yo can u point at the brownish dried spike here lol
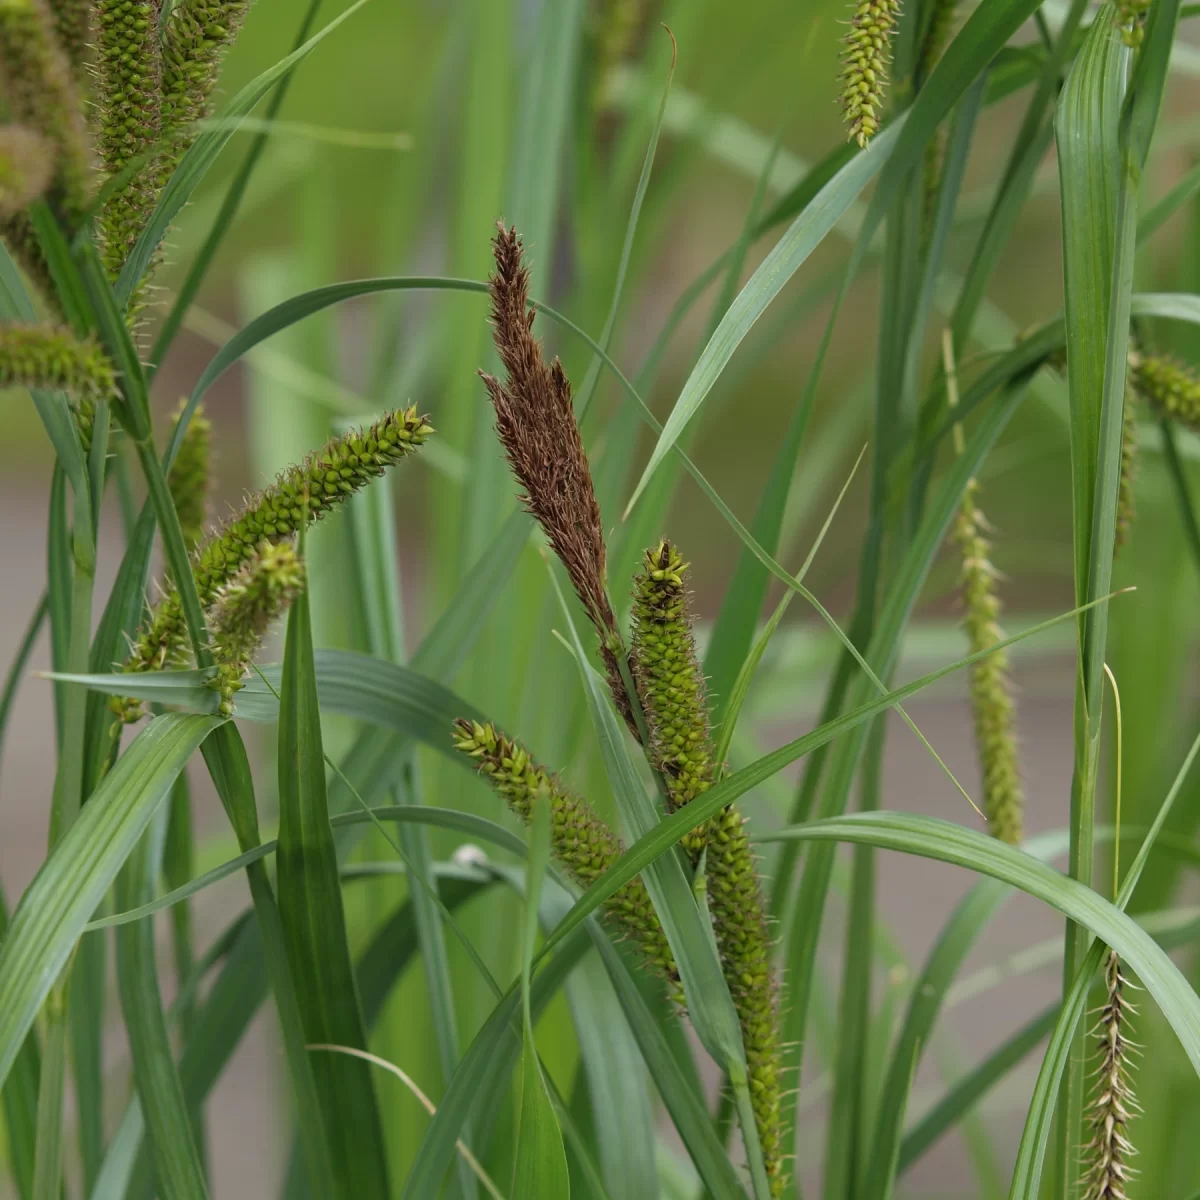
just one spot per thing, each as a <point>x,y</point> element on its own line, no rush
<point>535,421</point>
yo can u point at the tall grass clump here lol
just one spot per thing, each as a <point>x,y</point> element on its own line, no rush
<point>513,614</point>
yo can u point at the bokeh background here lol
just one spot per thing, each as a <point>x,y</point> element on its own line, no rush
<point>397,149</point>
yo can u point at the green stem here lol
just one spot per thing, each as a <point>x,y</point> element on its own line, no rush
<point>48,1157</point>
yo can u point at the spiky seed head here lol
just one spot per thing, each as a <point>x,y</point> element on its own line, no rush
<point>1168,386</point>
<point>535,422</point>
<point>865,62</point>
<point>305,492</point>
<point>990,689</point>
<point>669,681</point>
<point>243,610</point>
<point>579,840</point>
<point>27,162</point>
<point>1126,498</point>
<point>191,476</point>
<point>39,86</point>
<point>53,358</point>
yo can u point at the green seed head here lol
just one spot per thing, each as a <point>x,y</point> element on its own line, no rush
<point>1126,506</point>
<point>580,841</point>
<point>46,356</point>
<point>40,89</point>
<point>865,66</point>
<point>243,610</point>
<point>669,680</point>
<point>1169,386</point>
<point>304,492</point>
<point>1131,19</point>
<point>991,697</point>
<point>26,167</point>
<point>189,480</point>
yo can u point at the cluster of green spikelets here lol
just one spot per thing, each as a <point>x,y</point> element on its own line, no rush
<point>865,62</point>
<point>96,92</point>
<point>302,494</point>
<point>656,686</point>
<point>991,698</point>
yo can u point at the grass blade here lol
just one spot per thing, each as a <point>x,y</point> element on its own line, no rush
<point>311,912</point>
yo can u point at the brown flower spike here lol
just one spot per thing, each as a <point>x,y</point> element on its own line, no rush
<point>535,422</point>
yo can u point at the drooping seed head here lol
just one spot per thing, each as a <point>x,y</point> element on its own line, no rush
<point>26,167</point>
<point>865,62</point>
<point>991,696</point>
<point>243,610</point>
<point>535,422</point>
<point>191,476</point>
<point>303,493</point>
<point>39,87</point>
<point>1169,386</point>
<point>579,840</point>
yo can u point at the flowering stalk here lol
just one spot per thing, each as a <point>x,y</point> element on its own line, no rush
<point>1109,1150</point>
<point>128,94</point>
<point>195,38</point>
<point>535,422</point>
<point>672,692</point>
<point>1169,386</point>
<point>991,701</point>
<point>40,90</point>
<point>189,479</point>
<point>865,66</point>
<point>1126,503</point>
<point>303,493</point>
<point>46,356</point>
<point>244,609</point>
<point>26,167</point>
<point>580,841</point>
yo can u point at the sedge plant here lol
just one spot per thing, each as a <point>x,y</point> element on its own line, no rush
<point>534,915</point>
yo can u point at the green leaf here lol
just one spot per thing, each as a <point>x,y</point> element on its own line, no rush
<point>203,153</point>
<point>790,252</point>
<point>82,866</point>
<point>541,1166</point>
<point>314,926</point>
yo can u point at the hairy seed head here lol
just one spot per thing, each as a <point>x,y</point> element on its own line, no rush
<point>865,66</point>
<point>128,96</point>
<point>1169,386</point>
<point>671,688</point>
<point>190,477</point>
<point>244,608</point>
<point>40,91</point>
<point>307,491</point>
<point>196,36</point>
<point>53,358</point>
<point>1109,1150</point>
<point>579,840</point>
<point>26,167</point>
<point>536,425</point>
<point>669,681</point>
<point>991,699</point>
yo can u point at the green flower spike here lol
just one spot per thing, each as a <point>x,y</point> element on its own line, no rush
<point>45,356</point>
<point>26,167</point>
<point>865,66</point>
<point>580,841</point>
<point>244,609</point>
<point>128,86</point>
<point>1126,506</point>
<point>196,36</point>
<point>190,476</point>
<point>314,487</point>
<point>669,681</point>
<point>1170,387</point>
<point>40,90</point>
<point>73,23</point>
<point>672,692</point>
<point>991,700</point>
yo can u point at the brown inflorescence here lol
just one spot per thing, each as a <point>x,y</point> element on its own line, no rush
<point>535,422</point>
<point>579,840</point>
